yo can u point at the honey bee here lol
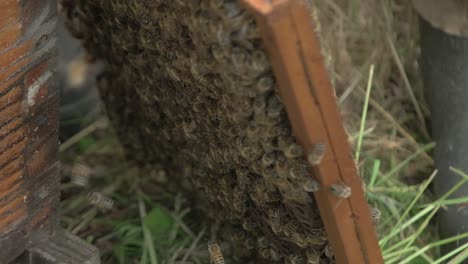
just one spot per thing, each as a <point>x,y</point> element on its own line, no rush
<point>316,155</point>
<point>274,107</point>
<point>215,253</point>
<point>341,190</point>
<point>249,243</point>
<point>291,227</point>
<point>311,185</point>
<point>259,105</point>
<point>265,253</point>
<point>238,235</point>
<point>275,220</point>
<point>298,172</point>
<point>313,256</point>
<point>295,259</point>
<point>268,159</point>
<point>80,174</point>
<point>328,251</point>
<point>252,132</point>
<point>275,255</point>
<point>100,200</point>
<point>263,242</point>
<point>293,151</point>
<point>249,225</point>
<point>260,62</point>
<point>376,215</point>
<point>78,71</point>
<point>281,167</point>
<point>264,85</point>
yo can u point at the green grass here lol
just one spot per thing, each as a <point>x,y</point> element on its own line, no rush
<point>407,233</point>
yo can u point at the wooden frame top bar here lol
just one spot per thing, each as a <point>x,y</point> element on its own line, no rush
<point>307,93</point>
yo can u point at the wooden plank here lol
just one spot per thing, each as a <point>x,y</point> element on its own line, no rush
<point>306,90</point>
<point>29,182</point>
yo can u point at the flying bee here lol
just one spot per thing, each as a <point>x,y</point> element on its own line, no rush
<point>311,185</point>
<point>376,215</point>
<point>218,52</point>
<point>189,127</point>
<point>316,155</point>
<point>269,174</point>
<point>273,196</point>
<point>80,174</point>
<point>238,235</point>
<point>264,85</point>
<point>275,255</point>
<point>215,253</point>
<point>100,200</point>
<point>283,142</point>
<point>81,69</point>
<point>341,190</point>
<point>293,151</point>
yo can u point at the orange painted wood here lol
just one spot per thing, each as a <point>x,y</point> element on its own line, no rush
<point>29,182</point>
<point>306,90</point>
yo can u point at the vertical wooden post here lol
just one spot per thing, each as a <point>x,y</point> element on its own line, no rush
<point>29,100</point>
<point>29,180</point>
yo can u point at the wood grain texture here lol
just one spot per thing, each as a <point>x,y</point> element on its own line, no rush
<point>29,182</point>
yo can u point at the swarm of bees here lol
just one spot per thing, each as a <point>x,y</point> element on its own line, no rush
<point>190,90</point>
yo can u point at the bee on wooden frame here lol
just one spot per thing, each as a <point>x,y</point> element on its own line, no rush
<point>341,190</point>
<point>316,155</point>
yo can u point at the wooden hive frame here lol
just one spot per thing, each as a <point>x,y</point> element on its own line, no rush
<point>306,90</point>
<point>29,168</point>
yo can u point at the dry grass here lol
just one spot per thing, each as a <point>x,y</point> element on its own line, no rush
<point>358,33</point>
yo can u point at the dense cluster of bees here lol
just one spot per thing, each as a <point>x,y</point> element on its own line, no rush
<point>191,93</point>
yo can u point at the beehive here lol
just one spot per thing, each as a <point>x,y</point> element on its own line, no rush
<point>191,93</point>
